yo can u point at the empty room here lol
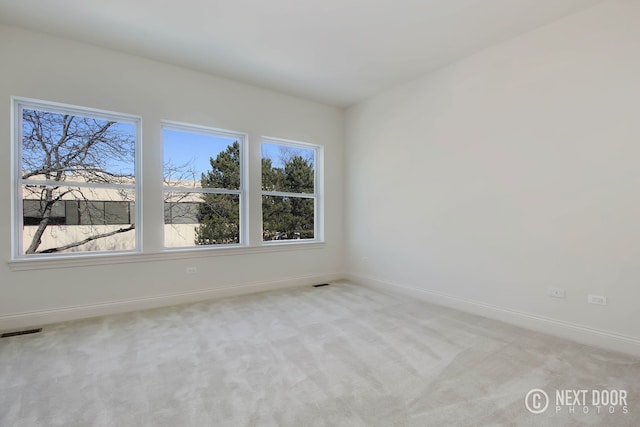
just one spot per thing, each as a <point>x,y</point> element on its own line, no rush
<point>338,213</point>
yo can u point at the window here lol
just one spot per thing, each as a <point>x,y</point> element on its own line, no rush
<point>203,186</point>
<point>75,174</point>
<point>289,191</point>
<point>77,190</point>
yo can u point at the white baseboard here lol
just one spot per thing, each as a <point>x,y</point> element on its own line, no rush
<point>20,321</point>
<point>569,331</point>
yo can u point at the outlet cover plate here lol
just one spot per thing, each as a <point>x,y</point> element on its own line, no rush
<point>556,293</point>
<point>597,299</point>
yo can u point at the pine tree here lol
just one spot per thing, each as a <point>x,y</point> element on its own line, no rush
<point>219,214</point>
<point>288,217</point>
<point>283,217</point>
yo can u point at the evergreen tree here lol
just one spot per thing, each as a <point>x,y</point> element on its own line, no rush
<point>219,214</point>
<point>299,175</point>
<point>288,217</point>
<point>283,217</point>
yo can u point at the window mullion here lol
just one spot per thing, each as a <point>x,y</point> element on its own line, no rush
<point>286,194</point>
<point>201,190</point>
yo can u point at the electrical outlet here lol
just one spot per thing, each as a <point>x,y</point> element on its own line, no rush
<point>596,299</point>
<point>192,270</point>
<point>556,293</point>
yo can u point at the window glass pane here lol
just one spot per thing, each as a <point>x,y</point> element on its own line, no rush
<point>117,213</point>
<point>181,212</point>
<point>91,212</point>
<point>288,169</point>
<point>74,148</point>
<point>201,219</point>
<point>72,212</point>
<point>194,159</point>
<point>76,219</point>
<point>35,210</point>
<point>184,213</point>
<point>287,218</point>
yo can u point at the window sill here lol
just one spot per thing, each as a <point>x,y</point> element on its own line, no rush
<point>87,260</point>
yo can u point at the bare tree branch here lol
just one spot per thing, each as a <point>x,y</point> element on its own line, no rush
<point>87,240</point>
<point>63,147</point>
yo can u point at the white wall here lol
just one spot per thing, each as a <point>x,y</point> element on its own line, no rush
<point>52,69</point>
<point>486,182</point>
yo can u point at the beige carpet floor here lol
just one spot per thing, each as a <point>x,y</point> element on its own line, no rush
<point>342,355</point>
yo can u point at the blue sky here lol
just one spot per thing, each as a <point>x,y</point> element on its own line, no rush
<point>277,153</point>
<point>182,147</point>
<point>192,149</point>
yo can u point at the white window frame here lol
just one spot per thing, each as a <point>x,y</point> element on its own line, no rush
<point>317,195</point>
<point>18,105</point>
<point>242,138</point>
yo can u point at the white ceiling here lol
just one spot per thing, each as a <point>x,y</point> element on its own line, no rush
<point>334,51</point>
